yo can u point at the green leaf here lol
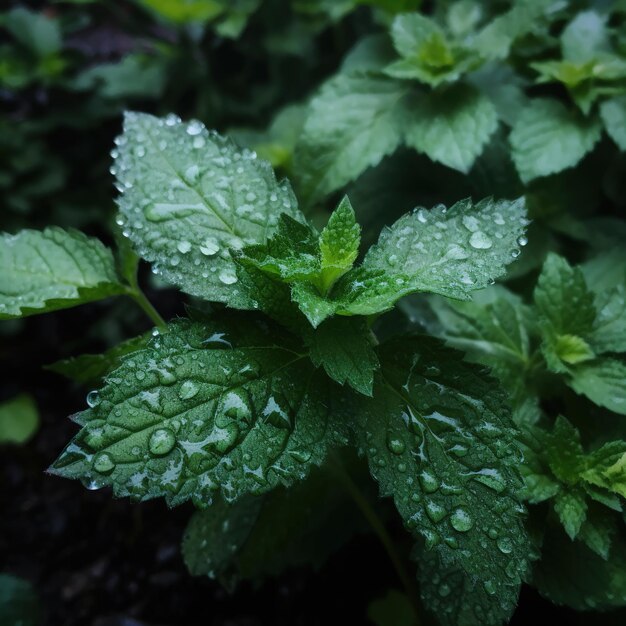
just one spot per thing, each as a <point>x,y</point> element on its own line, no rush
<point>35,31</point>
<point>339,243</point>
<point>547,138</point>
<point>606,467</point>
<point>563,298</point>
<point>393,609</point>
<point>564,451</point>
<point>571,507</point>
<point>570,573</point>
<point>291,254</point>
<point>352,124</point>
<point>496,39</point>
<point>452,126</point>
<point>447,251</point>
<point>190,196</point>
<point>53,269</point>
<point>260,536</point>
<point>613,114</point>
<point>598,530</point>
<point>428,55</point>
<point>458,601</point>
<point>603,381</point>
<point>609,331</point>
<point>182,11</point>
<point>570,349</point>
<point>343,347</point>
<point>439,440</point>
<point>91,369</point>
<point>584,37</point>
<point>19,605</point>
<point>19,419</point>
<point>229,406</point>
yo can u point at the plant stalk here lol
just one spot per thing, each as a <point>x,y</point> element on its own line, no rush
<point>378,527</point>
<point>146,306</point>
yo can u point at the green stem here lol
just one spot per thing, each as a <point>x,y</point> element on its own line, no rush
<point>379,528</point>
<point>134,291</point>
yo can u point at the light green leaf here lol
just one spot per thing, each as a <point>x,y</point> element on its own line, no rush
<point>352,124</point>
<point>447,251</point>
<point>53,269</point>
<point>584,37</point>
<point>339,244</point>
<point>613,114</point>
<point>609,330</point>
<point>229,406</point>
<point>189,197</point>
<point>606,467</point>
<point>495,39</point>
<point>571,507</point>
<point>452,126</point>
<point>343,347</point>
<point>19,419</point>
<point>439,440</point>
<point>570,573</point>
<point>563,298</point>
<point>34,30</point>
<point>182,11</point>
<point>547,138</point>
<point>91,369</point>
<point>603,381</point>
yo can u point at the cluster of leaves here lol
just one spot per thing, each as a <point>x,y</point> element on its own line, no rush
<point>252,406</point>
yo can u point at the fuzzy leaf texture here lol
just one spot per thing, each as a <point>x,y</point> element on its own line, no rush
<point>440,442</point>
<point>451,252</point>
<point>205,408</point>
<point>189,196</point>
<point>53,269</point>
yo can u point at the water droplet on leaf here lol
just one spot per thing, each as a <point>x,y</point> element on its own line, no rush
<point>162,440</point>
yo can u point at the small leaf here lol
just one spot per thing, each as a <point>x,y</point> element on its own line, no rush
<point>19,419</point>
<point>547,138</point>
<point>339,244</point>
<point>227,406</point>
<point>53,269</point>
<point>603,381</point>
<point>609,330</point>
<point>452,127</point>
<point>343,347</point>
<point>190,196</point>
<point>571,508</point>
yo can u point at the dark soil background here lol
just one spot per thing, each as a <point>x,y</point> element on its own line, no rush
<point>97,561</point>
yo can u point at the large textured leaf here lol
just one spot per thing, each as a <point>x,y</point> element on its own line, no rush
<point>352,124</point>
<point>53,269</point>
<point>190,196</point>
<point>452,126</point>
<point>439,440</point>
<point>548,138</point>
<point>447,251</point>
<point>225,406</point>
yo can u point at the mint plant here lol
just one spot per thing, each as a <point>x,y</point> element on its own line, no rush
<point>228,406</point>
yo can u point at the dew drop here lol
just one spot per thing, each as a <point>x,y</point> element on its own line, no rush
<point>183,247</point>
<point>395,444</point>
<point>490,587</point>
<point>429,482</point>
<point>103,463</point>
<point>515,253</point>
<point>522,240</point>
<point>227,438</point>
<point>435,511</point>
<point>194,127</point>
<point>480,240</point>
<point>187,390</point>
<point>301,456</point>
<point>210,247</point>
<point>461,520</point>
<point>505,545</point>
<point>93,484</point>
<point>277,413</point>
<point>93,399</point>
<point>236,405</point>
<point>162,440</point>
<point>228,277</point>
